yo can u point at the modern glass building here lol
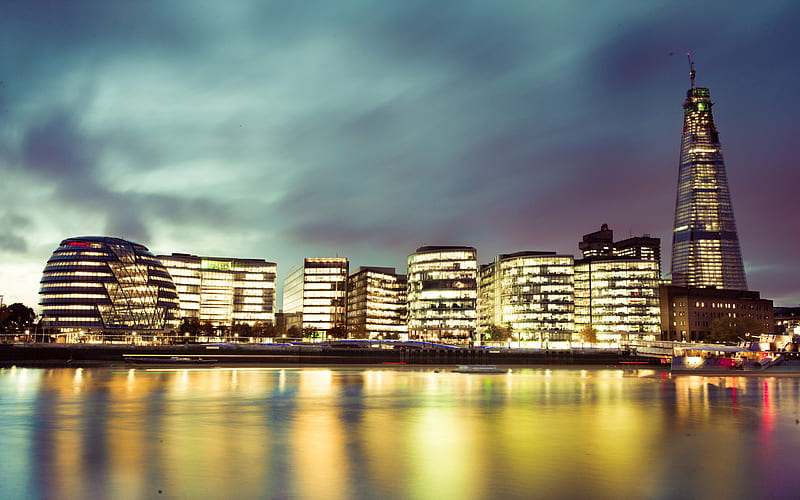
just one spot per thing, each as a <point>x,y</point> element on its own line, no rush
<point>442,293</point>
<point>223,291</point>
<point>618,297</point>
<point>318,290</point>
<point>616,286</point>
<point>97,285</point>
<point>377,304</point>
<point>532,292</point>
<point>705,243</point>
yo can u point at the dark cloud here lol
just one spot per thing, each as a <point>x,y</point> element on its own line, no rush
<point>371,129</point>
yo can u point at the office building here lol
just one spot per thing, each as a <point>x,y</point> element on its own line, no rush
<point>616,287</point>
<point>318,290</point>
<point>223,291</point>
<point>108,287</point>
<point>377,304</point>
<point>787,320</point>
<point>601,244</point>
<point>529,292</point>
<point>705,243</point>
<point>687,313</point>
<point>442,293</point>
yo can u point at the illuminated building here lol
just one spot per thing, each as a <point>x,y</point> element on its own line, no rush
<point>601,244</point>
<point>787,320</point>
<point>687,312</point>
<point>376,303</point>
<point>616,287</point>
<point>705,243</point>
<point>442,293</point>
<point>223,291</point>
<point>318,290</point>
<point>106,286</point>
<point>532,292</point>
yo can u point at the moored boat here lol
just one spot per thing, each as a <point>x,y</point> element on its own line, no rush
<point>739,359</point>
<point>478,369</point>
<point>171,360</point>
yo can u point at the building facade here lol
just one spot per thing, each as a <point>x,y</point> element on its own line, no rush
<point>318,290</point>
<point>705,242</point>
<point>442,293</point>
<point>223,291</point>
<point>618,297</point>
<point>529,292</point>
<point>687,313</point>
<point>105,286</point>
<point>377,304</point>
<point>616,287</point>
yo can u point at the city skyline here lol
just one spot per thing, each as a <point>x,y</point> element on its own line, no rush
<point>366,131</point>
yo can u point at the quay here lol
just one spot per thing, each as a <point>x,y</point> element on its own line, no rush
<point>324,353</point>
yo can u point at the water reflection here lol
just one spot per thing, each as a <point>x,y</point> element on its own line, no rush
<point>394,433</point>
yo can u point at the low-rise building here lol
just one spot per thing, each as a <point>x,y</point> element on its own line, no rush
<point>529,293</point>
<point>223,290</point>
<point>687,313</point>
<point>377,304</point>
<point>442,293</point>
<point>318,290</point>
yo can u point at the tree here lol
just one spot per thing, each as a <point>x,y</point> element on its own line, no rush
<point>207,329</point>
<point>497,333</point>
<point>189,329</point>
<point>261,329</point>
<point>730,329</point>
<point>242,330</point>
<point>16,318</point>
<point>588,334</point>
<point>337,332</point>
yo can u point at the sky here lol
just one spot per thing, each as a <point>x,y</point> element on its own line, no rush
<point>366,129</point>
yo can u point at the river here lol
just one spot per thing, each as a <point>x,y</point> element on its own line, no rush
<point>395,433</point>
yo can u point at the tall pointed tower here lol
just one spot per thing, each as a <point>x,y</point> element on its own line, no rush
<point>705,244</point>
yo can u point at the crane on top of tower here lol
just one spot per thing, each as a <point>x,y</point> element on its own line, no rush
<point>691,69</point>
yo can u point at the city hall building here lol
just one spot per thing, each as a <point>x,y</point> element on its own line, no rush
<point>107,287</point>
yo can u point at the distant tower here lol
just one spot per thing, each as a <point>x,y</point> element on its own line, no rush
<point>705,244</point>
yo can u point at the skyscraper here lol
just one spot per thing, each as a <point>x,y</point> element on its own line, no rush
<point>705,244</point>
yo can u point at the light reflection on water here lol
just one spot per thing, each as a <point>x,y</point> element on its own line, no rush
<point>340,433</point>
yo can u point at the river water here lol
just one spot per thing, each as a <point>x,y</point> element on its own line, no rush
<point>404,433</point>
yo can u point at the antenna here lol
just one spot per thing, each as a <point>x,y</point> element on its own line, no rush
<point>691,68</point>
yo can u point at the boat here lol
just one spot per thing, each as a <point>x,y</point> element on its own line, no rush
<point>172,360</point>
<point>478,369</point>
<point>747,358</point>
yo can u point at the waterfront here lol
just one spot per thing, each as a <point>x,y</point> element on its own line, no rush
<point>392,432</point>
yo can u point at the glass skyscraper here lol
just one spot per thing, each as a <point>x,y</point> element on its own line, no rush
<point>705,244</point>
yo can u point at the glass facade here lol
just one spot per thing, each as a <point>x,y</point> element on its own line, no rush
<point>110,286</point>
<point>618,297</point>
<point>318,290</point>
<point>442,293</point>
<point>532,292</point>
<point>705,244</point>
<point>223,291</point>
<point>376,304</point>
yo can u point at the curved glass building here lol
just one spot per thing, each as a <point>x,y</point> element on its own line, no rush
<point>442,293</point>
<point>109,286</point>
